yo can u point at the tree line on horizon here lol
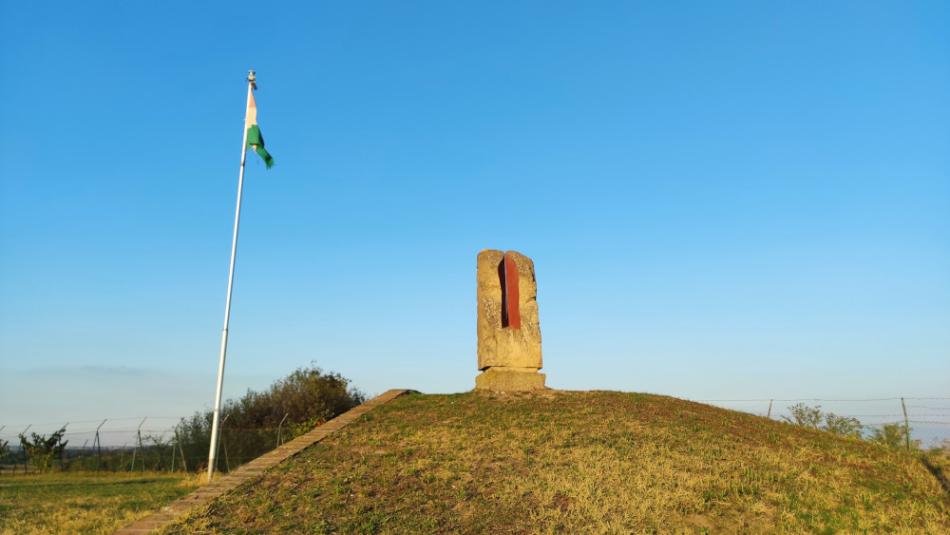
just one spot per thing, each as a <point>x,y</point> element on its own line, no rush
<point>258,422</point>
<point>253,424</point>
<point>893,435</point>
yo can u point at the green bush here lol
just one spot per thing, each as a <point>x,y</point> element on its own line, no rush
<point>890,435</point>
<point>43,450</point>
<point>893,436</point>
<point>252,424</point>
<point>804,415</point>
<point>842,425</point>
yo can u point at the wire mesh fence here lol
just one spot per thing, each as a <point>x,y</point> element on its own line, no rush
<point>145,443</point>
<point>928,418</point>
<point>171,443</point>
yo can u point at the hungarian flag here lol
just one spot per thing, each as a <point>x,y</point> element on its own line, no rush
<point>254,138</point>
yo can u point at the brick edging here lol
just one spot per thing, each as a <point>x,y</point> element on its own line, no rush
<point>222,484</point>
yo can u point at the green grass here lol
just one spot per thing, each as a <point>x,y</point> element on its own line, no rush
<point>84,502</point>
<point>581,462</point>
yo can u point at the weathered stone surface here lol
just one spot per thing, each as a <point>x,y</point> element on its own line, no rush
<point>510,379</point>
<point>502,348</point>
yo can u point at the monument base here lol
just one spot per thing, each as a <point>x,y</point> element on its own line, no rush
<point>501,379</point>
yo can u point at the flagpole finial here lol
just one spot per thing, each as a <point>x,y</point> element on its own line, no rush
<point>251,78</point>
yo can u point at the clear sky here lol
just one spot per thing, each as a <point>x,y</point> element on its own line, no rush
<point>723,200</point>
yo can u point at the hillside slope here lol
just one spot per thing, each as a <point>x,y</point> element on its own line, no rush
<point>580,462</point>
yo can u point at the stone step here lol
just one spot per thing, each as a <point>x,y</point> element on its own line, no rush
<point>252,470</point>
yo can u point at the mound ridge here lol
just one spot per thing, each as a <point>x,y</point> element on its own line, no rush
<point>580,462</point>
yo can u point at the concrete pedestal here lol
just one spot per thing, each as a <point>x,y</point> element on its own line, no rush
<point>510,379</point>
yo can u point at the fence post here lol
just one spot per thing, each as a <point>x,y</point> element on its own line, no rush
<point>280,437</point>
<point>26,456</point>
<point>224,442</point>
<point>138,443</point>
<point>181,450</point>
<point>62,453</point>
<point>184,463</point>
<point>769,415</point>
<point>227,461</point>
<point>98,444</point>
<point>906,426</point>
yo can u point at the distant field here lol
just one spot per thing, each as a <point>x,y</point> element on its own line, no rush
<point>581,462</point>
<point>84,502</point>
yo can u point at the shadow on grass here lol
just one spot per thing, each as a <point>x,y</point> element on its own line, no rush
<point>937,472</point>
<point>88,483</point>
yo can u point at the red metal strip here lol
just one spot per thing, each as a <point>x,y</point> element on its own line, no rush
<point>510,297</point>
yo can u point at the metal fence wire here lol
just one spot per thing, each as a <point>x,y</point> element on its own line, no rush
<point>926,418</point>
<point>140,443</point>
<point>157,443</point>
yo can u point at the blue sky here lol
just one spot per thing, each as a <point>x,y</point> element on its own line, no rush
<point>723,200</point>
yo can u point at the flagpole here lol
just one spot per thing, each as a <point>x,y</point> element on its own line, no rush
<point>216,418</point>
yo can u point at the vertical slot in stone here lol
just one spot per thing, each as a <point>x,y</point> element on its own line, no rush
<point>510,299</point>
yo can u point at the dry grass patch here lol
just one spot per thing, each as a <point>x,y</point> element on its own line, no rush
<point>581,462</point>
<point>84,502</point>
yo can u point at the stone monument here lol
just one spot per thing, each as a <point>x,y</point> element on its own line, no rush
<point>509,334</point>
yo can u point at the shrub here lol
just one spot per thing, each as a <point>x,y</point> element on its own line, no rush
<point>813,417</point>
<point>890,435</point>
<point>307,397</point>
<point>804,415</point>
<point>893,436</point>
<point>842,425</point>
<point>43,450</point>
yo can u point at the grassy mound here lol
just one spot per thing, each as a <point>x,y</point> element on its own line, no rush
<point>581,462</point>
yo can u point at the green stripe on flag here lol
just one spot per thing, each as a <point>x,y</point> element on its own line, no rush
<point>256,140</point>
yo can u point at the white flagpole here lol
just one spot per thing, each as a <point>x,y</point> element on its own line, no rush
<point>215,422</point>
